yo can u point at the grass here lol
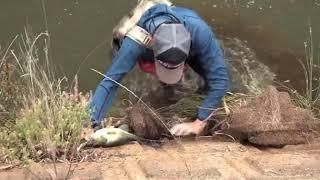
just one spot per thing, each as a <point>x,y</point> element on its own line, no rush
<point>311,68</point>
<point>9,94</point>
<point>49,121</point>
<point>40,120</point>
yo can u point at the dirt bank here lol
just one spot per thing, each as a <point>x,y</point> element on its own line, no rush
<point>268,120</point>
<point>197,159</point>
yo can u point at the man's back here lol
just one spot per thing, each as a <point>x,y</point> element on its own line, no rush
<point>200,32</point>
<point>201,50</point>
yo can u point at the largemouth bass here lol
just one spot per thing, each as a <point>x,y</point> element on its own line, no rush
<point>109,137</point>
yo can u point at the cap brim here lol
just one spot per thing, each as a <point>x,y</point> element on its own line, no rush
<point>169,76</point>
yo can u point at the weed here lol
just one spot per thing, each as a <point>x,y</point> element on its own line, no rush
<point>50,121</point>
<point>311,67</point>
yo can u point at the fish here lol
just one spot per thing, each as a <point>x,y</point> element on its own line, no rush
<point>109,137</point>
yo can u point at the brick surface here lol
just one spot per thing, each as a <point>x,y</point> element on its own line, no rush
<point>193,160</point>
<point>287,165</point>
<point>164,166</point>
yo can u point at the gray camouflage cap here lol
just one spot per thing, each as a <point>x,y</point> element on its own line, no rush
<point>171,46</point>
<point>169,36</point>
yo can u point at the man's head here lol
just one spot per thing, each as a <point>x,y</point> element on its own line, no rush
<point>171,45</point>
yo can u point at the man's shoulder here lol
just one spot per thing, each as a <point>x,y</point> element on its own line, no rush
<point>186,12</point>
<point>191,19</point>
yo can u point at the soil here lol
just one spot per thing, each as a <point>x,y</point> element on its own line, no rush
<point>145,124</point>
<point>266,120</point>
<point>201,158</point>
<point>272,120</point>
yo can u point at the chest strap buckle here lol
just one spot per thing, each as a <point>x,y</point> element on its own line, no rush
<point>140,35</point>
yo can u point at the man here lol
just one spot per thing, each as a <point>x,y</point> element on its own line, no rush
<point>173,38</point>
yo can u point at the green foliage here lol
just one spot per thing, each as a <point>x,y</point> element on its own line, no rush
<point>50,120</point>
<point>46,130</point>
<point>10,94</point>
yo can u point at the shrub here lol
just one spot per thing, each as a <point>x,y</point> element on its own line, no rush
<point>50,121</point>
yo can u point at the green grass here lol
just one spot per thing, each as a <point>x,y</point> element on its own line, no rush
<point>49,121</point>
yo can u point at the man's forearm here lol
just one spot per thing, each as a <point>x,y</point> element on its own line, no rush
<point>218,84</point>
<point>211,103</point>
<point>102,100</point>
<point>124,61</point>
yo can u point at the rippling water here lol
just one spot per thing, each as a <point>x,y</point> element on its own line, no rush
<point>80,30</point>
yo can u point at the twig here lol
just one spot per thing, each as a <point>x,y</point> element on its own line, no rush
<point>217,125</point>
<point>127,100</point>
<point>2,168</point>
<point>226,108</point>
<point>81,146</point>
<point>89,54</point>
<point>45,15</point>
<point>228,135</point>
<point>55,164</point>
<point>5,54</point>
<point>35,40</point>
<point>48,52</point>
<point>18,62</point>
<point>74,152</point>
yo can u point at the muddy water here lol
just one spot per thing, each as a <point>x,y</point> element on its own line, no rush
<point>80,30</point>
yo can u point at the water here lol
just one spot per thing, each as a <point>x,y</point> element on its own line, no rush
<point>80,30</point>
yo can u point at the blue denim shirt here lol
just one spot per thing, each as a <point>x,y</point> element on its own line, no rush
<point>205,57</point>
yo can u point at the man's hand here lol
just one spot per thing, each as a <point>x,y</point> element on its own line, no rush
<point>190,128</point>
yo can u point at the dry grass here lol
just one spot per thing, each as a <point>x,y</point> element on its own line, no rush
<point>188,106</point>
<point>49,123</point>
<point>310,99</point>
